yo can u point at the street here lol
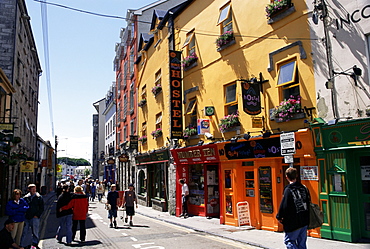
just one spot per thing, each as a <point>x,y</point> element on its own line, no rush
<point>146,233</point>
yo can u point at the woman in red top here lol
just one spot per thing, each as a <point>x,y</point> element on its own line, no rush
<point>80,206</point>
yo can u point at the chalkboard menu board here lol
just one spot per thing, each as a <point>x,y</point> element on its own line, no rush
<point>265,190</point>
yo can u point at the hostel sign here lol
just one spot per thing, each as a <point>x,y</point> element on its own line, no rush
<point>175,94</point>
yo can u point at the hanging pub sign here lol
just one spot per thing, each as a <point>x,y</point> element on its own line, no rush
<point>175,94</point>
<point>203,126</point>
<point>251,98</point>
<point>133,142</point>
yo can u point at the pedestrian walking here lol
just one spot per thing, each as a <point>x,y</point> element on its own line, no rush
<point>32,221</point>
<point>129,200</point>
<point>59,189</point>
<point>80,205</point>
<point>100,191</point>
<point>113,201</point>
<point>185,197</point>
<point>6,239</point>
<point>293,212</point>
<point>93,191</point>
<point>87,190</point>
<point>16,209</point>
<point>64,216</point>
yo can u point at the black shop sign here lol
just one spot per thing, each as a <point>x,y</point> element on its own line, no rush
<point>251,98</point>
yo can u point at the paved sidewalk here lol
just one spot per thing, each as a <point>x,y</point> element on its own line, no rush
<point>244,234</point>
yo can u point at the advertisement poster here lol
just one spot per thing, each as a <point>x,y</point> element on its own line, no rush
<point>203,126</point>
<point>309,173</point>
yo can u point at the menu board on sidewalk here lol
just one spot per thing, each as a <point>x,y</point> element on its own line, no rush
<point>265,190</point>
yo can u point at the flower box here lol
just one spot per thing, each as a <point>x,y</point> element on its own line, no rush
<point>142,103</point>
<point>229,122</point>
<point>289,109</point>
<point>276,7</point>
<point>189,131</point>
<point>157,133</point>
<point>143,139</point>
<point>156,89</point>
<point>225,40</point>
<point>189,61</point>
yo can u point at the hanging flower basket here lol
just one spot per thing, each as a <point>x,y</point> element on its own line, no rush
<point>142,103</point>
<point>143,139</point>
<point>276,7</point>
<point>189,131</point>
<point>288,109</point>
<point>189,60</point>
<point>229,121</point>
<point>157,133</point>
<point>156,89</point>
<point>225,39</point>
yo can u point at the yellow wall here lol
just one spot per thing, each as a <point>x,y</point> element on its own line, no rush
<point>255,39</point>
<point>156,59</point>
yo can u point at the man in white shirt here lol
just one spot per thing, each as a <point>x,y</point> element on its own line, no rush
<point>185,197</point>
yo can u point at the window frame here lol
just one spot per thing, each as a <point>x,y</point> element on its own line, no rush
<point>158,120</point>
<point>190,39</point>
<point>191,106</point>
<point>294,73</point>
<point>228,4</point>
<point>231,103</point>
<point>295,77</point>
<point>158,77</point>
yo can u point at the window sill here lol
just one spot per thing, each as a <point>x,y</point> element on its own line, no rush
<point>235,128</point>
<point>294,117</point>
<point>280,15</point>
<point>226,45</point>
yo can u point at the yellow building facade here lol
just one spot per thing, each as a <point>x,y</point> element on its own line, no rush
<point>241,60</point>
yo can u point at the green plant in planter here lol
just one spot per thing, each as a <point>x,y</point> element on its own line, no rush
<point>287,108</point>
<point>276,6</point>
<point>142,102</point>
<point>143,139</point>
<point>229,121</point>
<point>189,131</point>
<point>156,89</point>
<point>156,133</point>
<point>225,38</point>
<point>188,60</point>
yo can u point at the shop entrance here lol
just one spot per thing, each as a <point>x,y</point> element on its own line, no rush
<point>364,195</point>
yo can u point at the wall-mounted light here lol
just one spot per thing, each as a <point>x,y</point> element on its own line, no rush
<point>234,140</point>
<point>200,143</point>
<point>247,136</point>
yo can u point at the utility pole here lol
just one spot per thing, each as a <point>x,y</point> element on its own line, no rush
<point>56,162</point>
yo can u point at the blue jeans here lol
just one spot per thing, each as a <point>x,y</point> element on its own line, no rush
<point>34,224</point>
<point>65,228</point>
<point>296,239</point>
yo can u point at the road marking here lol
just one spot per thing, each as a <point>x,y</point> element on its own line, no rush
<point>143,244</point>
<point>124,234</point>
<point>133,238</point>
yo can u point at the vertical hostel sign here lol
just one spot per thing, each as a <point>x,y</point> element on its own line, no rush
<point>251,98</point>
<point>175,94</point>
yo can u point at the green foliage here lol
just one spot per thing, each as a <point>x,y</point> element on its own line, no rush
<point>73,161</point>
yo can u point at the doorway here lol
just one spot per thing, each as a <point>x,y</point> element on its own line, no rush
<point>364,195</point>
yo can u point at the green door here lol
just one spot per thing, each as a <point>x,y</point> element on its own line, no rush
<point>364,200</point>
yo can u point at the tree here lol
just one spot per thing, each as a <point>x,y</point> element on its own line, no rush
<point>87,172</point>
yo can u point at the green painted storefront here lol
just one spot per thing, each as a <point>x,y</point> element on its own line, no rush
<point>343,157</point>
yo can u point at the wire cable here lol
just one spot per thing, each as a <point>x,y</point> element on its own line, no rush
<point>44,18</point>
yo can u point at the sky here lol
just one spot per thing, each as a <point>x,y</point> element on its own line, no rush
<point>81,53</point>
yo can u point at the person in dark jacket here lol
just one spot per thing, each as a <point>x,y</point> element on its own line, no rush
<point>16,210</point>
<point>33,214</point>
<point>80,206</point>
<point>294,211</point>
<point>64,217</point>
<point>6,239</point>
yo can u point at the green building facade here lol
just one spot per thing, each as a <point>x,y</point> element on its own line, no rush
<point>343,155</point>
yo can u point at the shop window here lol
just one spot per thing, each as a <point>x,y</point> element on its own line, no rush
<point>142,183</point>
<point>365,174</point>
<point>225,19</point>
<point>231,101</point>
<point>196,184</point>
<point>249,183</point>
<point>190,43</point>
<point>229,204</point>
<point>159,182</point>
<point>288,79</point>
<point>228,180</point>
<point>265,183</point>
